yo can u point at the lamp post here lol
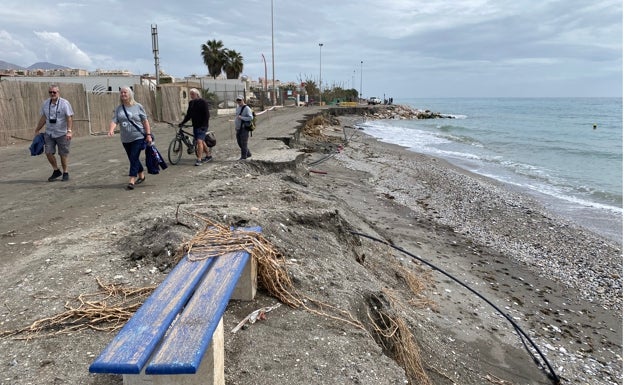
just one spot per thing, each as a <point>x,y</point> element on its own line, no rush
<point>320,81</point>
<point>266,86</point>
<point>273,55</point>
<point>361,68</point>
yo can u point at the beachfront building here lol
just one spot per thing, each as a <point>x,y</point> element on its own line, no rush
<point>105,81</point>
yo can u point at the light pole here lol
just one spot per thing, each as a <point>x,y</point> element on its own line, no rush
<point>266,86</point>
<point>273,55</point>
<point>361,68</point>
<point>320,81</point>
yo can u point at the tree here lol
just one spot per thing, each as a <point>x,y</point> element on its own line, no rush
<point>233,64</point>
<point>213,54</point>
<point>310,86</point>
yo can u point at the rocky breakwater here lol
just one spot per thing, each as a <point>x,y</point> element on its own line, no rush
<point>397,111</point>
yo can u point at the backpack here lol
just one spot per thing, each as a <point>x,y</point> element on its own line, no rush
<point>253,121</point>
<point>251,125</point>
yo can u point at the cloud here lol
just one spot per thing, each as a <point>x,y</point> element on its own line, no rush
<point>59,50</point>
<point>14,51</point>
<point>409,47</point>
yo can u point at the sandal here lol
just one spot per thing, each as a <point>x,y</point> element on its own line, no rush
<point>130,186</point>
<point>140,180</point>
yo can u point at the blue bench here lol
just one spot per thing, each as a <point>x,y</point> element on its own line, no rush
<point>176,336</point>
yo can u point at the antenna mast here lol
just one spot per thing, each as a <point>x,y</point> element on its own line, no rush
<point>155,50</point>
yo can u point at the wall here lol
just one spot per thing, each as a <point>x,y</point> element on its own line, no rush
<point>20,103</point>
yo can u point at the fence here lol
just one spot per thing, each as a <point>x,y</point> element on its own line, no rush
<point>20,103</point>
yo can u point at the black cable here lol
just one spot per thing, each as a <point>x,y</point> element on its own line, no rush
<point>323,159</point>
<point>552,375</point>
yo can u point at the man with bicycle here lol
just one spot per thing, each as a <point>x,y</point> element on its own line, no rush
<point>199,114</point>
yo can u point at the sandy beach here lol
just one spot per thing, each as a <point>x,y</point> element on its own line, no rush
<point>560,283</point>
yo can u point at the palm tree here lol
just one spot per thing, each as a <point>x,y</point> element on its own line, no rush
<point>233,65</point>
<point>213,54</point>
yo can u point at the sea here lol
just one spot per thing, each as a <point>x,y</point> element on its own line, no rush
<point>565,152</point>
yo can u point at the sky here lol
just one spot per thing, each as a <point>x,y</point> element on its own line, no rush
<point>384,48</point>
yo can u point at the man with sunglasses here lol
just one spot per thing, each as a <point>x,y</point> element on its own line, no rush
<point>57,116</point>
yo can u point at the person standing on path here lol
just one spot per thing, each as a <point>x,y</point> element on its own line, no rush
<point>57,116</point>
<point>244,117</point>
<point>199,114</point>
<point>134,131</point>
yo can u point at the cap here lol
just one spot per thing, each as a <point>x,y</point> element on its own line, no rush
<point>239,97</point>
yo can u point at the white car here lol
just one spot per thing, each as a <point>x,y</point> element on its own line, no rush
<point>374,100</point>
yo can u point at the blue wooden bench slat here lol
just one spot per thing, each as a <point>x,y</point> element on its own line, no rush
<point>131,348</point>
<point>184,345</point>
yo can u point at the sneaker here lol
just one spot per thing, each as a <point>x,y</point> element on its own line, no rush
<point>55,175</point>
<point>65,177</point>
<point>207,159</point>
<point>198,163</point>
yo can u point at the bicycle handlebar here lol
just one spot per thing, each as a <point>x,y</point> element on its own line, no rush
<point>178,126</point>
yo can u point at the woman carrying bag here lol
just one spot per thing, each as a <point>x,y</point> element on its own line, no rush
<point>135,133</point>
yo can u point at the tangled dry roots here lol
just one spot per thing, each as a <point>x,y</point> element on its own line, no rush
<point>114,304</point>
<point>392,333</point>
<point>110,307</point>
<point>106,310</point>
<point>217,239</point>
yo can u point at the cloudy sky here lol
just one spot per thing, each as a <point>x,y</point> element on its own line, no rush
<point>398,48</point>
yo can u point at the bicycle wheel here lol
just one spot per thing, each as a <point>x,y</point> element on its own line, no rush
<point>175,151</point>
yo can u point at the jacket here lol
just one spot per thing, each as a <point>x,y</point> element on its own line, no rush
<point>37,145</point>
<point>153,160</point>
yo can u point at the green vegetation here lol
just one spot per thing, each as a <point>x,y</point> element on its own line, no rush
<point>219,59</point>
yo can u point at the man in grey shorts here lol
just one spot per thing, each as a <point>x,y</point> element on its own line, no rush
<point>57,116</point>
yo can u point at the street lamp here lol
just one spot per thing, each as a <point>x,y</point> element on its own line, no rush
<point>320,81</point>
<point>361,67</point>
<point>273,55</point>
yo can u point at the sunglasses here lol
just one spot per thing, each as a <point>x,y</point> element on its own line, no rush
<point>52,92</point>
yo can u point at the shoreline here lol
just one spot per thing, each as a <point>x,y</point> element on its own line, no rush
<point>549,250</point>
<point>603,218</point>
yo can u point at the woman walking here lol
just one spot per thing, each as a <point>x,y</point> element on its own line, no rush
<point>134,131</point>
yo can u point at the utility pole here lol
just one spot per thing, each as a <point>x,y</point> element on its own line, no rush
<point>361,68</point>
<point>320,81</point>
<point>273,55</point>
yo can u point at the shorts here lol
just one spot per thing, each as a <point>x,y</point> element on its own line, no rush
<point>200,133</point>
<point>52,143</point>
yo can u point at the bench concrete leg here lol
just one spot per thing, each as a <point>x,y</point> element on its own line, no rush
<point>247,284</point>
<point>211,369</point>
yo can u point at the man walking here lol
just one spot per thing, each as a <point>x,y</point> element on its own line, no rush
<point>199,114</point>
<point>57,116</point>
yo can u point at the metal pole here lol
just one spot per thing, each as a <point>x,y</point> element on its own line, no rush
<point>155,50</point>
<point>266,85</point>
<point>273,55</point>
<point>361,68</point>
<point>320,80</point>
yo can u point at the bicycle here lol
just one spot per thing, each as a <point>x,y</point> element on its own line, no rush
<point>182,138</point>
